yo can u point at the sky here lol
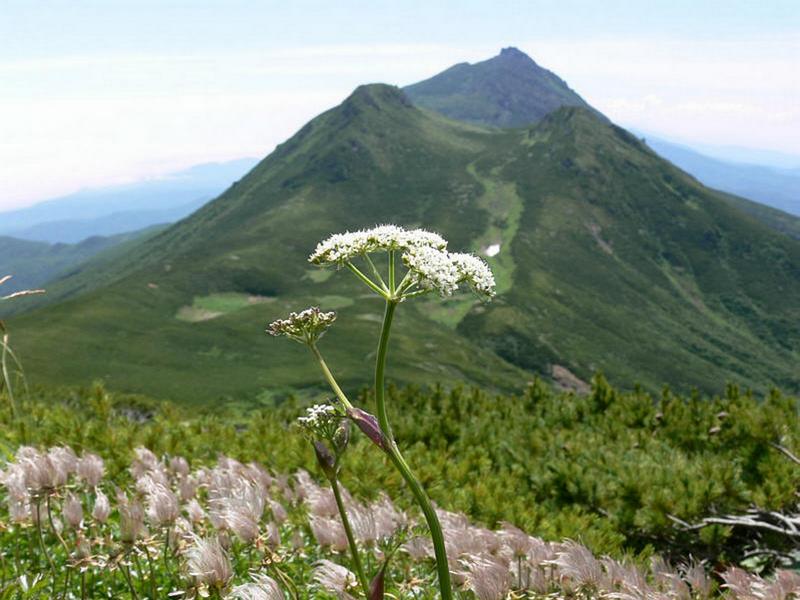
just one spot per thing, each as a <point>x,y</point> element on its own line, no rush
<point>95,93</point>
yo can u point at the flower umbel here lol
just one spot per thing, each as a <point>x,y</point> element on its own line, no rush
<point>430,267</point>
<point>305,327</point>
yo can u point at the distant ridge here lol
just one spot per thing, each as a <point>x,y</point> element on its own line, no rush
<point>509,90</point>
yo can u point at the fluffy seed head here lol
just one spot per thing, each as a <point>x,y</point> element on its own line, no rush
<point>73,511</point>
<point>91,469</point>
<point>102,508</point>
<point>334,578</point>
<point>162,506</point>
<point>208,563</point>
<point>261,588</point>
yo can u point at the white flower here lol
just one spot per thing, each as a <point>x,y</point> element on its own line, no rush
<point>432,269</point>
<point>475,272</point>
<point>340,248</point>
<point>317,416</point>
<point>306,326</point>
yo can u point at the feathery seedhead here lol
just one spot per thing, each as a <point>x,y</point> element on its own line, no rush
<point>278,512</point>
<point>73,511</point>
<point>305,327</point>
<point>90,469</point>
<point>261,588</point>
<point>131,521</point>
<point>334,578</point>
<point>208,563</point>
<point>162,506</point>
<point>102,507</point>
<point>179,466</point>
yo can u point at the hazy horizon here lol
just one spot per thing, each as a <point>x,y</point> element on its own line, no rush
<point>95,96</point>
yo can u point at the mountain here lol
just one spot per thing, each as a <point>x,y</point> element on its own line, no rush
<point>610,258</point>
<point>33,264</point>
<point>509,90</point>
<point>118,209</point>
<point>778,188</point>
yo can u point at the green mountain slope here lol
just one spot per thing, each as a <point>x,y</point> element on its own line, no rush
<point>183,316</point>
<point>609,258</point>
<point>509,90</point>
<point>34,264</point>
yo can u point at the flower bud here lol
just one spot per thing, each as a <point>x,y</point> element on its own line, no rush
<point>325,459</point>
<point>368,424</point>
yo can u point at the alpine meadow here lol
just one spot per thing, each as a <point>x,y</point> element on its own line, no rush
<point>544,362</point>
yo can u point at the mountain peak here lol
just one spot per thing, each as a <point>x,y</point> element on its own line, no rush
<point>508,90</point>
<point>378,96</point>
<point>514,54</point>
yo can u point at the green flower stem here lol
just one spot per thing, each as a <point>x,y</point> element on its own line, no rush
<point>371,284</point>
<point>351,541</point>
<point>329,377</point>
<point>391,270</point>
<point>375,272</point>
<point>437,537</point>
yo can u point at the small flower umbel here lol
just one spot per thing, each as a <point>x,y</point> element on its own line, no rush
<point>305,327</point>
<point>429,269</point>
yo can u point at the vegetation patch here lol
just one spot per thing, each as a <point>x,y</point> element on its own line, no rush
<point>209,307</point>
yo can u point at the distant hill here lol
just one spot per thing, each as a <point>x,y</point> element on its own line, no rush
<point>34,264</point>
<point>610,258</point>
<point>509,90</point>
<point>778,188</point>
<point>118,209</point>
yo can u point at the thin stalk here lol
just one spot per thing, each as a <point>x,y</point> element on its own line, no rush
<point>380,368</point>
<point>391,272</point>
<point>375,272</point>
<point>41,543</point>
<point>7,379</point>
<point>370,284</point>
<point>53,526</point>
<point>351,541</point>
<point>152,570</point>
<point>126,571</point>
<point>329,377</point>
<point>437,537</point>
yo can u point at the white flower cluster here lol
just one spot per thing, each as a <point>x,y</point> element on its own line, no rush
<point>317,416</point>
<point>475,272</point>
<point>306,326</point>
<point>342,247</point>
<point>442,271</point>
<point>432,269</point>
<point>425,255</point>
